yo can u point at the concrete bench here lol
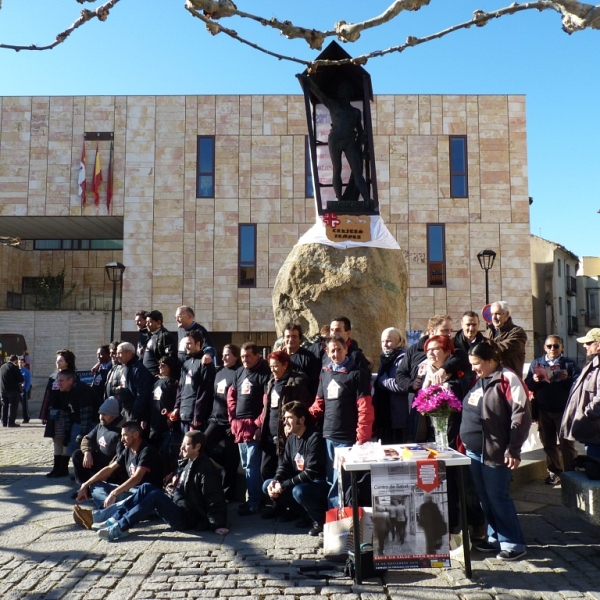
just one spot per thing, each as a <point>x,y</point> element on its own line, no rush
<point>581,495</point>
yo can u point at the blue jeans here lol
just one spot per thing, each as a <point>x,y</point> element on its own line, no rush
<point>331,474</point>
<point>311,496</point>
<point>146,501</point>
<point>250,457</point>
<point>100,491</point>
<point>73,445</point>
<point>593,450</point>
<point>492,485</point>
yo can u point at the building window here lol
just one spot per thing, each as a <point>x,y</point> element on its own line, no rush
<point>436,256</point>
<point>78,244</point>
<point>560,311</point>
<point>567,270</point>
<point>458,166</point>
<point>559,264</point>
<point>205,187</point>
<point>308,180</point>
<point>592,306</point>
<point>247,256</point>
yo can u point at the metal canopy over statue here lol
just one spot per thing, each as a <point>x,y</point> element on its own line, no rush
<point>348,263</point>
<point>340,136</point>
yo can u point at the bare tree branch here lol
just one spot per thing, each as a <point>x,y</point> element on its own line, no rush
<point>215,28</point>
<point>101,13</point>
<point>576,16</point>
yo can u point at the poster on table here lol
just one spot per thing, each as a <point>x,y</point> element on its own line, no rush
<point>410,515</point>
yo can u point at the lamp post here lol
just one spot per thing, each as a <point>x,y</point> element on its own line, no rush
<point>114,271</point>
<point>486,262</point>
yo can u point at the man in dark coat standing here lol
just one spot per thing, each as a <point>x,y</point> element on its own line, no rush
<point>10,390</point>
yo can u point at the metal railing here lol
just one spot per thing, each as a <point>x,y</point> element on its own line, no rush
<point>78,300</point>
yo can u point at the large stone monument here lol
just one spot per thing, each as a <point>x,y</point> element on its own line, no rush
<point>348,263</point>
<point>367,285</point>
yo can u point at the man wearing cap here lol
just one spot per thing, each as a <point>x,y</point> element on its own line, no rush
<point>581,421</point>
<point>550,378</point>
<point>99,446</point>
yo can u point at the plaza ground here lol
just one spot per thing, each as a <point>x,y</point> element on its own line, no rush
<point>44,555</point>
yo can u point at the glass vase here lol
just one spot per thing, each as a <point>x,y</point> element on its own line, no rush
<point>440,427</point>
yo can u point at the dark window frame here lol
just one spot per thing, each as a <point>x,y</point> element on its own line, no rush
<point>241,283</point>
<point>75,244</point>
<point>432,263</point>
<point>200,173</point>
<point>464,173</point>
<point>308,171</point>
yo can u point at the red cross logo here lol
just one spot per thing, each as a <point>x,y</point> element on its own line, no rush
<point>331,219</point>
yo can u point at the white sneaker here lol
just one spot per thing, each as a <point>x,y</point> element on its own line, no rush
<point>457,552</point>
<point>104,524</point>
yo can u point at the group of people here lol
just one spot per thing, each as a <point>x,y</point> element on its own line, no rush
<point>166,413</point>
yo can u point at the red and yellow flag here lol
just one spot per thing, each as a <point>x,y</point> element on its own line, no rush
<point>97,179</point>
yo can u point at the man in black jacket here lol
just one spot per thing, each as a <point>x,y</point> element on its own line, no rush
<point>468,337</point>
<point>196,386</point>
<point>10,390</point>
<point>160,343</point>
<point>550,378</point>
<point>186,322</point>
<point>300,477</point>
<point>135,385</point>
<point>198,498</point>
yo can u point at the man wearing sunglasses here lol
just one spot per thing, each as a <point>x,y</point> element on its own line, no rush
<point>550,378</point>
<point>581,421</point>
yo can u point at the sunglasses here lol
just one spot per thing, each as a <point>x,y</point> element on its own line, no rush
<point>555,346</point>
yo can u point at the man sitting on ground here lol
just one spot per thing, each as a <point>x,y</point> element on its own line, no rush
<point>142,464</point>
<point>198,498</point>
<point>299,482</point>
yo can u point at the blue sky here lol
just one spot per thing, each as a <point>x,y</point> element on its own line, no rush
<point>156,47</point>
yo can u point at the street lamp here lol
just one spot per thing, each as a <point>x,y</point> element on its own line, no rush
<point>486,262</point>
<point>114,271</point>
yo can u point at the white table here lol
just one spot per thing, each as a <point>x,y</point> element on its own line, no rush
<point>451,458</point>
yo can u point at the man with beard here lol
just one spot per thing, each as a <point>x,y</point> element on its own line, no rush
<point>140,462</point>
<point>99,446</point>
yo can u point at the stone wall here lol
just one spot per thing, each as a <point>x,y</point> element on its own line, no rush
<point>180,249</point>
<point>48,331</point>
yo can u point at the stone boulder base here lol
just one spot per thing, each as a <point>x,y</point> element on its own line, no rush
<point>367,285</point>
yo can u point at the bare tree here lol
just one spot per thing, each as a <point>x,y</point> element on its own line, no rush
<point>575,16</point>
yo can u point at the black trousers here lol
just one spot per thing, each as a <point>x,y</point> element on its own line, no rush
<point>221,447</point>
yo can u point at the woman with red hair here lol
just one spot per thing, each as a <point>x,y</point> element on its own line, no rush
<point>286,385</point>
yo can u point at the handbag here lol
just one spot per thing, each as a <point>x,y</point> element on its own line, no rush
<point>338,534</point>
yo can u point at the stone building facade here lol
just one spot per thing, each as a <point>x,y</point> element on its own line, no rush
<point>183,249</point>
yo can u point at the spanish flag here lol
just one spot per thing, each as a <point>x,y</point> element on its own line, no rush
<point>97,179</point>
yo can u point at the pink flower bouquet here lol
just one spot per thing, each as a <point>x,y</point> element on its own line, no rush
<point>436,401</point>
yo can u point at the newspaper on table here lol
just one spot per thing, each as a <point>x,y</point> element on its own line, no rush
<point>410,514</point>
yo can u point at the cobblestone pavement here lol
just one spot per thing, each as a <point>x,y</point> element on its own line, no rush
<point>43,555</point>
